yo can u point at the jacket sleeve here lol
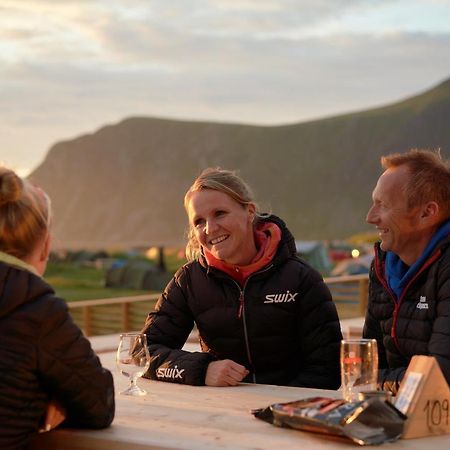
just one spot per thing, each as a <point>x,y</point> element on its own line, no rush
<point>167,329</point>
<point>320,338</point>
<point>70,370</point>
<point>439,344</point>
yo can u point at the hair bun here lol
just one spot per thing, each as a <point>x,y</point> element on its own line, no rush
<point>11,186</point>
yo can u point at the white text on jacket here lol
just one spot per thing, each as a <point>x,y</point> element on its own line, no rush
<point>281,298</point>
<point>166,372</point>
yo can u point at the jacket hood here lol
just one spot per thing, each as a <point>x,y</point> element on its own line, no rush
<point>287,247</point>
<point>18,286</point>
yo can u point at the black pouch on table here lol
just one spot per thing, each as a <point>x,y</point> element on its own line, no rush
<point>367,422</point>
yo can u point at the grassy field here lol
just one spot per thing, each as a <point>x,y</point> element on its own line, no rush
<point>76,282</point>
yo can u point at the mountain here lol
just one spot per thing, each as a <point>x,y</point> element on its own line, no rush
<point>123,185</point>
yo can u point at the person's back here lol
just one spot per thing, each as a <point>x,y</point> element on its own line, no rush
<point>44,358</point>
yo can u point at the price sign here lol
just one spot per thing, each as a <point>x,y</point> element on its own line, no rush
<point>436,412</point>
<point>424,397</point>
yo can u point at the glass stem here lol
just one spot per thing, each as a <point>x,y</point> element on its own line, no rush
<point>133,384</point>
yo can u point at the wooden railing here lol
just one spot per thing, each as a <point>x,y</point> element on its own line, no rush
<point>112,315</point>
<point>115,315</point>
<point>350,294</point>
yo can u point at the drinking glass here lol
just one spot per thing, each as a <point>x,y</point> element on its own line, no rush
<point>359,367</point>
<point>133,360</point>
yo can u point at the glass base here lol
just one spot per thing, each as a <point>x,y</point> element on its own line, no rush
<point>134,390</point>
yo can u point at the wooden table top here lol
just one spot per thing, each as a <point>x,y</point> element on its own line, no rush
<point>174,416</point>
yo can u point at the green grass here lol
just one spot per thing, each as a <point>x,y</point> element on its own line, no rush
<point>75,282</point>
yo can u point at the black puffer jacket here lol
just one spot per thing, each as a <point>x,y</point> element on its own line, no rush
<point>418,324</point>
<point>43,355</point>
<point>286,332</point>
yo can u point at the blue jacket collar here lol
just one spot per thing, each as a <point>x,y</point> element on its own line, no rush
<point>398,274</point>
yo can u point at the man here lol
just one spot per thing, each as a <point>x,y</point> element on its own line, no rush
<point>409,291</point>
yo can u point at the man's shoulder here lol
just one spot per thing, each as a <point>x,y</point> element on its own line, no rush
<point>444,246</point>
<point>444,260</point>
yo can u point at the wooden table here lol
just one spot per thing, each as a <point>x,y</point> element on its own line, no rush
<point>176,416</point>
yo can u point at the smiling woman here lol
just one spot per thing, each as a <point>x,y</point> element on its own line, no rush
<point>222,226</point>
<point>221,214</point>
<point>264,315</point>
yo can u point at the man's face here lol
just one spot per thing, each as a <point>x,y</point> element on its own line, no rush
<point>398,226</point>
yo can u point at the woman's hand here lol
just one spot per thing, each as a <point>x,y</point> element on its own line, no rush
<point>225,373</point>
<point>54,415</point>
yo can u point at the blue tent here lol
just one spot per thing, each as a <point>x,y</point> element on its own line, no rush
<point>315,254</point>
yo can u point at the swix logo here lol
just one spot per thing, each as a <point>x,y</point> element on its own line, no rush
<point>422,303</point>
<point>166,372</point>
<point>281,298</point>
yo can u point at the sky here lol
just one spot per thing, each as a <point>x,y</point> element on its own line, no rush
<point>70,67</point>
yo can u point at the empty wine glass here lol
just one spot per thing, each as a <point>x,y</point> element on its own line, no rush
<point>133,360</point>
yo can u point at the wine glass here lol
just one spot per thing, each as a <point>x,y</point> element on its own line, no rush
<point>133,360</point>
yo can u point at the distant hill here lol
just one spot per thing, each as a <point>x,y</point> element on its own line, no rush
<point>123,185</point>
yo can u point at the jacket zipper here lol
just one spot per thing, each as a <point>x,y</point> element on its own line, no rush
<point>397,304</point>
<point>241,315</point>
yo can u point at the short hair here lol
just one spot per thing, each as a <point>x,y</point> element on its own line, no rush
<point>429,180</point>
<point>25,214</point>
<point>222,180</point>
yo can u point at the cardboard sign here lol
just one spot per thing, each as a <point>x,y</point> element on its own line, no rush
<point>424,396</point>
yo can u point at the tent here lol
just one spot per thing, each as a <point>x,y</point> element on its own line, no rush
<point>136,274</point>
<point>315,254</point>
<point>353,266</point>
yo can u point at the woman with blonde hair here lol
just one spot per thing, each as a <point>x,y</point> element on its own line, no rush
<point>48,371</point>
<point>263,315</point>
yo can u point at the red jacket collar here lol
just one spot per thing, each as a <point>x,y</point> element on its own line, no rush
<point>267,237</point>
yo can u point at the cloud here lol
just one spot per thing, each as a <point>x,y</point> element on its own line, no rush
<point>222,80</point>
<point>69,67</point>
<point>170,25</point>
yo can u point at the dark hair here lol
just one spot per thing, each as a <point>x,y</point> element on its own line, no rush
<point>429,180</point>
<point>24,214</point>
